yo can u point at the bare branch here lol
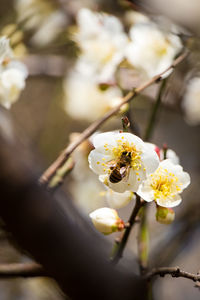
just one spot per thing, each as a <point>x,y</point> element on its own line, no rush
<point>173,271</point>
<point>47,175</point>
<point>120,245</point>
<point>24,270</point>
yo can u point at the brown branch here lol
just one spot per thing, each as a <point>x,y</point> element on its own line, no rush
<point>24,270</point>
<point>47,175</point>
<point>173,271</point>
<point>120,245</point>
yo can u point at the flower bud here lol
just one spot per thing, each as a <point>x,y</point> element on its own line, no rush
<point>165,215</point>
<point>106,220</point>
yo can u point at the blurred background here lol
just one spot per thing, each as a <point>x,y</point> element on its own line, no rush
<point>43,35</point>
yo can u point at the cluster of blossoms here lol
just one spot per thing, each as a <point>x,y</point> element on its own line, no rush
<point>104,46</point>
<point>127,165</point>
<point>41,16</point>
<point>12,75</point>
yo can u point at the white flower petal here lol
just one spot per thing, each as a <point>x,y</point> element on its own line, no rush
<point>170,202</point>
<point>146,193</point>
<point>104,138</point>
<point>131,138</point>
<point>97,162</point>
<point>150,159</point>
<point>185,180</point>
<point>118,200</point>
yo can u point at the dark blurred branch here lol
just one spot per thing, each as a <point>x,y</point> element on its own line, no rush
<point>62,158</point>
<point>24,270</point>
<point>143,241</point>
<point>173,271</point>
<point>55,234</point>
<point>120,245</point>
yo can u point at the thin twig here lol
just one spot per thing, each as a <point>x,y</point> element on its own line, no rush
<point>143,241</point>
<point>121,244</point>
<point>21,270</point>
<point>173,271</point>
<point>152,120</point>
<point>143,236</point>
<point>47,175</point>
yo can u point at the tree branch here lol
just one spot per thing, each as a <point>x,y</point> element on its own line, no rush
<point>173,271</point>
<point>51,229</point>
<point>62,158</point>
<point>121,245</point>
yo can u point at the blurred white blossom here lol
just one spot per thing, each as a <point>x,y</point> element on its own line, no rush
<point>191,102</point>
<point>12,75</point>
<point>85,100</point>
<point>122,160</point>
<point>43,17</point>
<point>165,185</point>
<point>102,42</point>
<point>151,50</point>
<point>106,220</point>
<point>118,200</point>
<point>87,193</point>
<point>134,17</point>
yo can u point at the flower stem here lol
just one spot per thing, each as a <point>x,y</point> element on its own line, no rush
<point>151,123</point>
<point>119,247</point>
<point>143,241</point>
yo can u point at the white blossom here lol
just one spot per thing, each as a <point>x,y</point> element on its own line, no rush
<point>106,220</point>
<point>165,185</point>
<point>102,42</point>
<point>87,193</point>
<point>118,200</point>
<point>50,29</point>
<point>191,102</point>
<point>122,155</point>
<point>84,99</point>
<point>151,51</point>
<point>43,17</point>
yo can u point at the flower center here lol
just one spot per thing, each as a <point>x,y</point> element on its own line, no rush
<point>161,47</point>
<point>165,184</point>
<point>126,152</point>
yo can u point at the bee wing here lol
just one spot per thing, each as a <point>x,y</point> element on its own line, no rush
<point>124,171</point>
<point>111,164</point>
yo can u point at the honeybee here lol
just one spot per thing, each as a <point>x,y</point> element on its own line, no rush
<point>120,168</point>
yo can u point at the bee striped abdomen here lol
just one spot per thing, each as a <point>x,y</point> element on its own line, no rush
<point>115,175</point>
